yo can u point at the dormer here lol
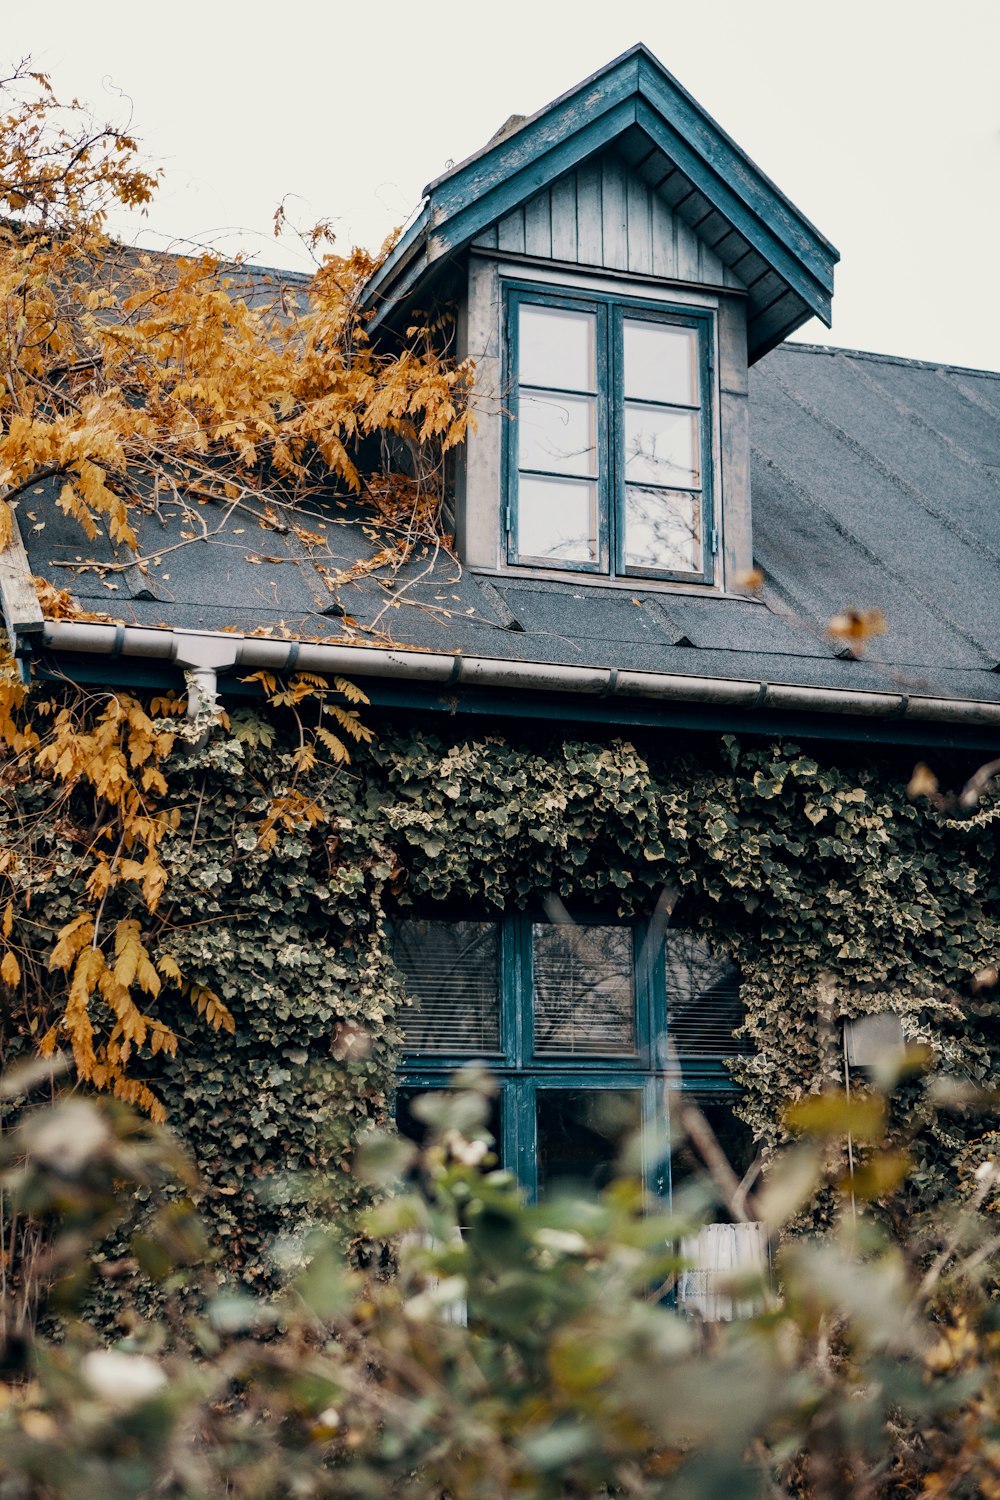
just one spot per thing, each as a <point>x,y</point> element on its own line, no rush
<point>618,264</point>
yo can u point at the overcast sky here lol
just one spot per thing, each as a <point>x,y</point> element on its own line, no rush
<point>880,119</point>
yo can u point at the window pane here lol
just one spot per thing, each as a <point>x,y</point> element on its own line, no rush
<point>452,972</point>
<point>735,1138</point>
<point>557,519</point>
<point>662,530</point>
<point>557,433</point>
<point>703,999</point>
<point>556,347</point>
<point>416,1130</point>
<point>584,994</point>
<point>581,1133</point>
<point>661,362</point>
<point>662,447</point>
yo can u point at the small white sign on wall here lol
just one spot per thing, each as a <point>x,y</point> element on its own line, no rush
<point>870,1040</point>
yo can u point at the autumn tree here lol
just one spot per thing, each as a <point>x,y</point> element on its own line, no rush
<point>124,377</point>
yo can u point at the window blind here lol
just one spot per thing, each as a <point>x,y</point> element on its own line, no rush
<point>584,991</point>
<point>703,999</point>
<point>452,972</point>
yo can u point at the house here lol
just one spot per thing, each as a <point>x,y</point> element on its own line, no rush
<point>663,506</point>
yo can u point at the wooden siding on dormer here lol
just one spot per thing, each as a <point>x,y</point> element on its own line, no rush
<point>605,215</point>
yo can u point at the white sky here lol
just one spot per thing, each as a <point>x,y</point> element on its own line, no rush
<point>880,119</point>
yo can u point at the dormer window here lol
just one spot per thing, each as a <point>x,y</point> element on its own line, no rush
<point>617,265</point>
<point>609,450</point>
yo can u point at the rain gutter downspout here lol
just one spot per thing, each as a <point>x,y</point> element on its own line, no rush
<point>203,655</point>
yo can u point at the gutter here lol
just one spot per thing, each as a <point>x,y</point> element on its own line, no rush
<point>204,655</point>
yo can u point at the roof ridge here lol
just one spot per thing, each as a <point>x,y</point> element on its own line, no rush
<point>501,135</point>
<point>226,262</point>
<point>886,359</point>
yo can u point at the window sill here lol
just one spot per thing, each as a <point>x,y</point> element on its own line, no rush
<point>640,585</point>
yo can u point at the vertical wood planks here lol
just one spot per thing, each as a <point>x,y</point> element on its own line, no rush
<point>608,213</point>
<point>614,222</point>
<point>734,433</point>
<point>639,220</point>
<point>478,523</point>
<point>589,215</point>
<point>510,231</point>
<point>563,210</point>
<point>688,245</point>
<point>712,269</point>
<point>538,225</point>
<point>664,238</point>
<point>22,614</point>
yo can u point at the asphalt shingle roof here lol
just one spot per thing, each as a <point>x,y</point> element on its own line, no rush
<point>875,484</point>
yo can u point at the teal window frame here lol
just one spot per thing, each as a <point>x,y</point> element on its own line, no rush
<point>521,1075</point>
<point>610,313</point>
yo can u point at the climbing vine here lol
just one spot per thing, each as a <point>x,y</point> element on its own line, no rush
<point>837,893</point>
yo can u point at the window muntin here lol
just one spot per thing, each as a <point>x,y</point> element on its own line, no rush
<point>609,452</point>
<point>560,521</point>
<point>557,432</point>
<point>661,447</point>
<point>593,1011</point>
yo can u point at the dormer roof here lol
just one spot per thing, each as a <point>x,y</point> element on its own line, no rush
<point>637,108</point>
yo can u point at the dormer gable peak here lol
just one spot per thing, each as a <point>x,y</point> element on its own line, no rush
<point>634,107</point>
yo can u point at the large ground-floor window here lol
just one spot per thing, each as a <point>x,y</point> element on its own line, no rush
<point>590,1026</point>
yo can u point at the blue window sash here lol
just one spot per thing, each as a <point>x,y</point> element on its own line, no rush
<point>512,384</point>
<point>520,1075</point>
<point>517,1147</point>
<point>610,313</point>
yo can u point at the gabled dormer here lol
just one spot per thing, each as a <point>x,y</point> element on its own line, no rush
<point>618,264</point>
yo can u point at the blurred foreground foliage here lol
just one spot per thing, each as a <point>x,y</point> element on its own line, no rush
<point>530,1352</point>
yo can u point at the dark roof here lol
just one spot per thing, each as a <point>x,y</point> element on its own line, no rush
<point>635,105</point>
<point>875,484</point>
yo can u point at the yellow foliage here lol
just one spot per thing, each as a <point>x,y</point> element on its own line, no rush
<point>126,376</point>
<point>100,880</point>
<point>304,757</point>
<point>288,812</point>
<point>111,745</point>
<point>89,965</point>
<point>132,962</point>
<point>333,743</point>
<point>350,690</point>
<point>857,626</point>
<point>122,372</point>
<point>168,706</point>
<point>208,1004</point>
<point>140,1096</point>
<point>74,936</point>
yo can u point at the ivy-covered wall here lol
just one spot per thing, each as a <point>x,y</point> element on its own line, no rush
<point>836,892</point>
